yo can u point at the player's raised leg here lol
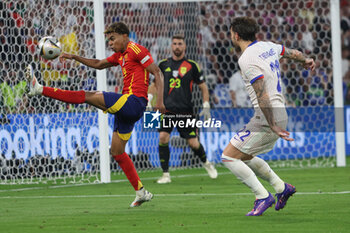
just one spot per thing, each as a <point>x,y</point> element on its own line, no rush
<point>263,170</point>
<point>74,97</point>
<point>97,99</point>
<point>232,159</point>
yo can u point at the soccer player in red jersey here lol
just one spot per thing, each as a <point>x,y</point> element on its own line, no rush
<point>136,63</point>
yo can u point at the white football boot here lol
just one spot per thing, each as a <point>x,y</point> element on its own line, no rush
<point>210,169</point>
<point>141,196</point>
<point>34,87</point>
<point>164,179</point>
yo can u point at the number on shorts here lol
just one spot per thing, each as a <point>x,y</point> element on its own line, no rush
<point>242,134</point>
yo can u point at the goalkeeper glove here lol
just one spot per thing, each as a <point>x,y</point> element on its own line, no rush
<point>205,111</point>
<point>149,105</point>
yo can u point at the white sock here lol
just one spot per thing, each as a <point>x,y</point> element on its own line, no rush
<point>263,170</point>
<point>40,89</point>
<point>246,175</point>
<point>140,192</point>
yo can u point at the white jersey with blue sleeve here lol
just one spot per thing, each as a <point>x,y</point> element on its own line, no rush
<point>261,60</point>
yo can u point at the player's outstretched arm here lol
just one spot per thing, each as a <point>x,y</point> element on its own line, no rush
<point>205,92</point>
<point>94,63</point>
<point>206,106</point>
<point>266,108</point>
<point>159,81</point>
<point>296,55</point>
<point>152,89</point>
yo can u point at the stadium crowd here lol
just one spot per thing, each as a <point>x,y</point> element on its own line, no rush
<point>303,25</point>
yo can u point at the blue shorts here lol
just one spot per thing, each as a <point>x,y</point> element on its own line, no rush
<point>127,109</point>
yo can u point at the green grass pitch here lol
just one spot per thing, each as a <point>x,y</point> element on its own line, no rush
<point>191,203</point>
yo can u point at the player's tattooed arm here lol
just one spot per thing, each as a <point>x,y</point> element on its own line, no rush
<point>264,101</point>
<point>296,55</point>
<point>266,108</point>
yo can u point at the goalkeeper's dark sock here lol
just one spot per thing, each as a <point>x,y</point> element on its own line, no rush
<point>128,168</point>
<point>164,156</point>
<point>200,153</point>
<point>72,97</point>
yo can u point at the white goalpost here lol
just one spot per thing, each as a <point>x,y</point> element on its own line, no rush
<point>337,82</point>
<point>102,86</point>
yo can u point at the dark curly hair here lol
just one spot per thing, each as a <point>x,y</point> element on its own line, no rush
<point>245,27</point>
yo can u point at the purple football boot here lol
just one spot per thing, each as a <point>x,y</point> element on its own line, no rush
<point>260,205</point>
<point>282,197</point>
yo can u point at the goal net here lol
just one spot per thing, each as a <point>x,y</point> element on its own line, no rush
<point>44,139</point>
<point>47,140</point>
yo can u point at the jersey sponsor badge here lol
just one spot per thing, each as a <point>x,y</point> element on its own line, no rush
<point>168,69</point>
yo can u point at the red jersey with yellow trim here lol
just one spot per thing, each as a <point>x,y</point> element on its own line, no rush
<point>133,61</point>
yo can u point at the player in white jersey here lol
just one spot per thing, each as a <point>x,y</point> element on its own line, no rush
<point>259,64</point>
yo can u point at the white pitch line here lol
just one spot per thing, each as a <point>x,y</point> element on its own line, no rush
<point>164,195</point>
<point>148,178</point>
<point>113,181</point>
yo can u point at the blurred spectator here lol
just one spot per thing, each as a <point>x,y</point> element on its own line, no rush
<point>206,34</point>
<point>345,24</point>
<point>315,89</point>
<point>239,95</point>
<point>12,92</point>
<point>306,39</point>
<point>347,96</point>
<point>222,95</point>
<point>210,80</point>
<point>345,65</point>
<point>303,25</point>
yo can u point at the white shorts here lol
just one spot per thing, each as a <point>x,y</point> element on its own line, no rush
<point>256,138</point>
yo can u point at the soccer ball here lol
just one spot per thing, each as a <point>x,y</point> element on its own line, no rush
<point>49,48</point>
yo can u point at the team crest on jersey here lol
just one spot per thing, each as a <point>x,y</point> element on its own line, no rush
<point>124,59</point>
<point>183,71</point>
<point>175,73</point>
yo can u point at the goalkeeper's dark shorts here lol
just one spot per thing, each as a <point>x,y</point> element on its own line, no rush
<point>127,109</point>
<point>186,131</point>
